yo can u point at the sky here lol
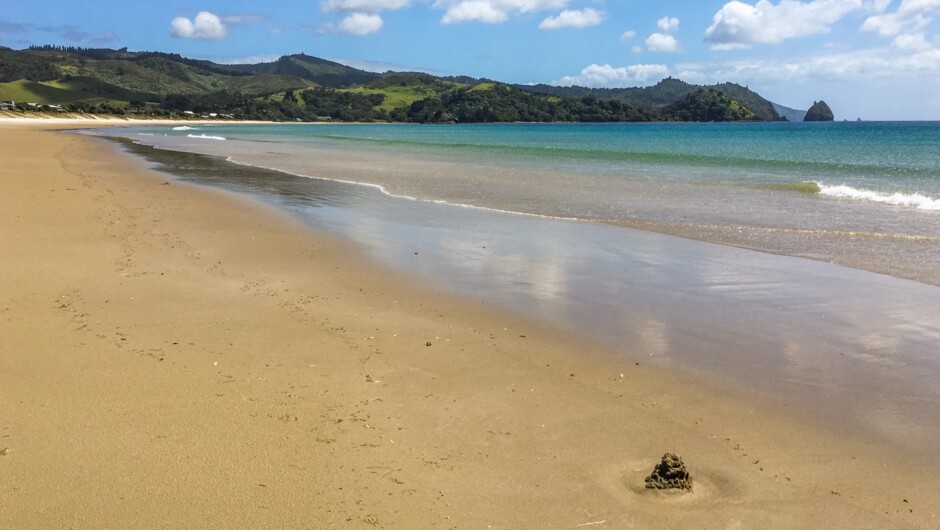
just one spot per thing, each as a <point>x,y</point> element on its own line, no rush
<point>873,59</point>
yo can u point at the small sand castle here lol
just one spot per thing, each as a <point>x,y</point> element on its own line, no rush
<point>670,474</point>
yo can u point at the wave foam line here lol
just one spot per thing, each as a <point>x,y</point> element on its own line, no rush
<point>634,223</point>
<point>811,231</point>
<point>910,200</point>
<point>185,128</point>
<point>383,190</point>
<point>205,137</point>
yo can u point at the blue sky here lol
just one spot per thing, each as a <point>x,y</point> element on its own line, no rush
<point>875,59</point>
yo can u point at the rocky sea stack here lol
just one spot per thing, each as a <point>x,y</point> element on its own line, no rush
<point>820,111</point>
<point>670,474</point>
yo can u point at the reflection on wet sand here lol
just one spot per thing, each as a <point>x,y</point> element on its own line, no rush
<point>859,349</point>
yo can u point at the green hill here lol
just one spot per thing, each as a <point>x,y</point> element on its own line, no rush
<point>401,89</point>
<point>305,88</point>
<point>320,71</point>
<point>669,91</point>
<point>89,75</point>
<point>709,105</point>
<point>763,110</point>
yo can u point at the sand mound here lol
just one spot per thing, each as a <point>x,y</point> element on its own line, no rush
<point>670,474</point>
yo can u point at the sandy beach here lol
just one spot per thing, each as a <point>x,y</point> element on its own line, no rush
<point>176,356</point>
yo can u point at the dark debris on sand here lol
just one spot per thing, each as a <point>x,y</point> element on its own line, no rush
<point>670,474</point>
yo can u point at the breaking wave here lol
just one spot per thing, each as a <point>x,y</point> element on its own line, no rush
<point>205,137</point>
<point>185,128</point>
<point>910,200</point>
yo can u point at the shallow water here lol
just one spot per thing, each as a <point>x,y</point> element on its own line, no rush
<point>865,195</point>
<point>856,348</point>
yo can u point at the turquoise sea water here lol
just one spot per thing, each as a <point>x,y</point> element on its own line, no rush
<point>866,194</point>
<point>881,156</point>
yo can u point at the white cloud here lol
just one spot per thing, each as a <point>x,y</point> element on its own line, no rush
<point>206,26</point>
<point>360,24</point>
<point>891,24</point>
<point>476,11</point>
<point>667,24</point>
<point>363,6</point>
<point>363,15</point>
<point>627,35</point>
<point>910,17</point>
<point>911,43</point>
<point>573,19</point>
<point>741,25</point>
<point>608,76</point>
<point>861,65</point>
<point>492,11</point>
<point>662,43</point>
<point>878,6</point>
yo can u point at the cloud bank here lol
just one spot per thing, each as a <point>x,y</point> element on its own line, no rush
<point>741,25</point>
<point>598,76</point>
<point>492,11</point>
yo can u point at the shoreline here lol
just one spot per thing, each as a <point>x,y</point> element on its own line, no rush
<point>79,122</point>
<point>767,352</point>
<point>836,242</point>
<point>185,357</point>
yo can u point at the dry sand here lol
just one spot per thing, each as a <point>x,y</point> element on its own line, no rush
<point>176,357</point>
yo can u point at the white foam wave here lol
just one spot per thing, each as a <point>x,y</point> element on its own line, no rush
<point>910,200</point>
<point>385,191</point>
<point>205,137</point>
<point>185,128</point>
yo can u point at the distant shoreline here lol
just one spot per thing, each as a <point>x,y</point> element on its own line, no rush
<point>114,120</point>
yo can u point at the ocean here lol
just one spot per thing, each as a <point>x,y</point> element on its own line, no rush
<point>836,314</point>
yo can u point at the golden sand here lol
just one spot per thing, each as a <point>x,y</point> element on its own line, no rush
<point>176,357</point>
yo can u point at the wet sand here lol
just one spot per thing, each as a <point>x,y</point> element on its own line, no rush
<point>855,348</point>
<point>177,356</point>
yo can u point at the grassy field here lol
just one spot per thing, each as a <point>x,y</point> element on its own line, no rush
<point>479,87</point>
<point>396,97</point>
<point>31,92</point>
<point>62,92</point>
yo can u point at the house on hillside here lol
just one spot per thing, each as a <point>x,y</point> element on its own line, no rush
<point>7,105</point>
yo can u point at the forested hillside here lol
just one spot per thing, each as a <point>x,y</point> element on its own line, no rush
<point>305,88</point>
